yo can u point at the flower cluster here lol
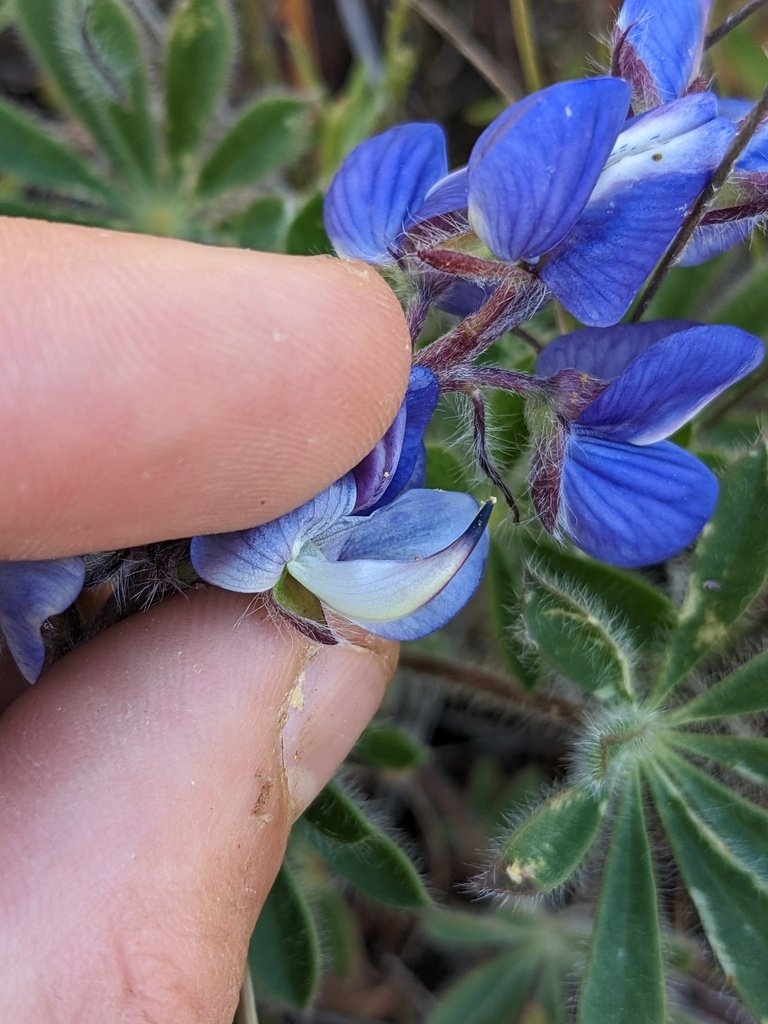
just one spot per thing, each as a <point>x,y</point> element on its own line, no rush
<point>576,193</point>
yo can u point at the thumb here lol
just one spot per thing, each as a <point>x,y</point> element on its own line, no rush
<point>148,786</point>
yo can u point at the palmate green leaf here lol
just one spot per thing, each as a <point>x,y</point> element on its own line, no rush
<point>624,979</point>
<point>284,951</point>
<point>355,848</point>
<point>743,692</point>
<point>264,137</point>
<point>261,226</point>
<point>91,52</point>
<point>48,27</point>
<point>546,847</point>
<point>387,746</point>
<point>198,62</point>
<point>579,635</point>
<point>747,755</point>
<point>732,903</point>
<point>495,992</point>
<point>741,826</point>
<point>729,570</point>
<point>29,151</point>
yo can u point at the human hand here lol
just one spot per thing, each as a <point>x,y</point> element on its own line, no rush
<point>155,389</point>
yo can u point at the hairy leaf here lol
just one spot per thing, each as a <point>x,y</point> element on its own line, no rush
<point>284,952</point>
<point>624,980</point>
<point>264,137</point>
<point>732,903</point>
<point>199,56</point>
<point>729,570</point>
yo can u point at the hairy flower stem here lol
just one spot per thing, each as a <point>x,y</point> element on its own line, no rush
<point>483,456</point>
<point>732,22</point>
<point>693,219</point>
<point>419,308</point>
<point>516,299</point>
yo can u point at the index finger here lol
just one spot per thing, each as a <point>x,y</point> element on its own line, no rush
<point>154,388</point>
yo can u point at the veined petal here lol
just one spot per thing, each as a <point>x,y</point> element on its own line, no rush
<point>420,403</point>
<point>635,211</point>
<point>667,384</point>
<point>603,352</point>
<point>30,592</point>
<point>659,46</point>
<point>380,579</point>
<point>252,561</point>
<point>446,196</point>
<point>633,506</point>
<point>374,473</point>
<point>533,168</point>
<point>379,187</point>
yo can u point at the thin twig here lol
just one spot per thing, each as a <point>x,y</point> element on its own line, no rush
<point>456,34</point>
<point>732,21</point>
<point>554,710</point>
<point>705,197</point>
<point>526,44</point>
<point>529,339</point>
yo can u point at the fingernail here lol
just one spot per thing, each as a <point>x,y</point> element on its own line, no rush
<point>334,698</point>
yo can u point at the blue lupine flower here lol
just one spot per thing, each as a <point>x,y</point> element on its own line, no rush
<point>559,181</point>
<point>658,47</point>
<point>30,592</point>
<point>601,205</point>
<point>604,477</point>
<point>386,185</point>
<point>392,557</point>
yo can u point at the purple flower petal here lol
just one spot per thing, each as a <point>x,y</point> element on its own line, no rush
<point>633,506</point>
<point>667,384</point>
<point>373,475</point>
<point>447,196</point>
<point>603,352</point>
<point>636,209</point>
<point>532,170</point>
<point>380,186</point>
<point>420,403</point>
<point>395,562</point>
<point>660,44</point>
<point>30,592</point>
<point>252,561</point>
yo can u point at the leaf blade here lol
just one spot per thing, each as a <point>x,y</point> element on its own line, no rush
<point>264,136</point>
<point>284,950</point>
<point>729,570</point>
<point>624,978</point>
<point>200,38</point>
<point>732,904</point>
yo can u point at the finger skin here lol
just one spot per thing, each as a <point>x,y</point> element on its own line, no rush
<point>154,388</point>
<point>147,785</point>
